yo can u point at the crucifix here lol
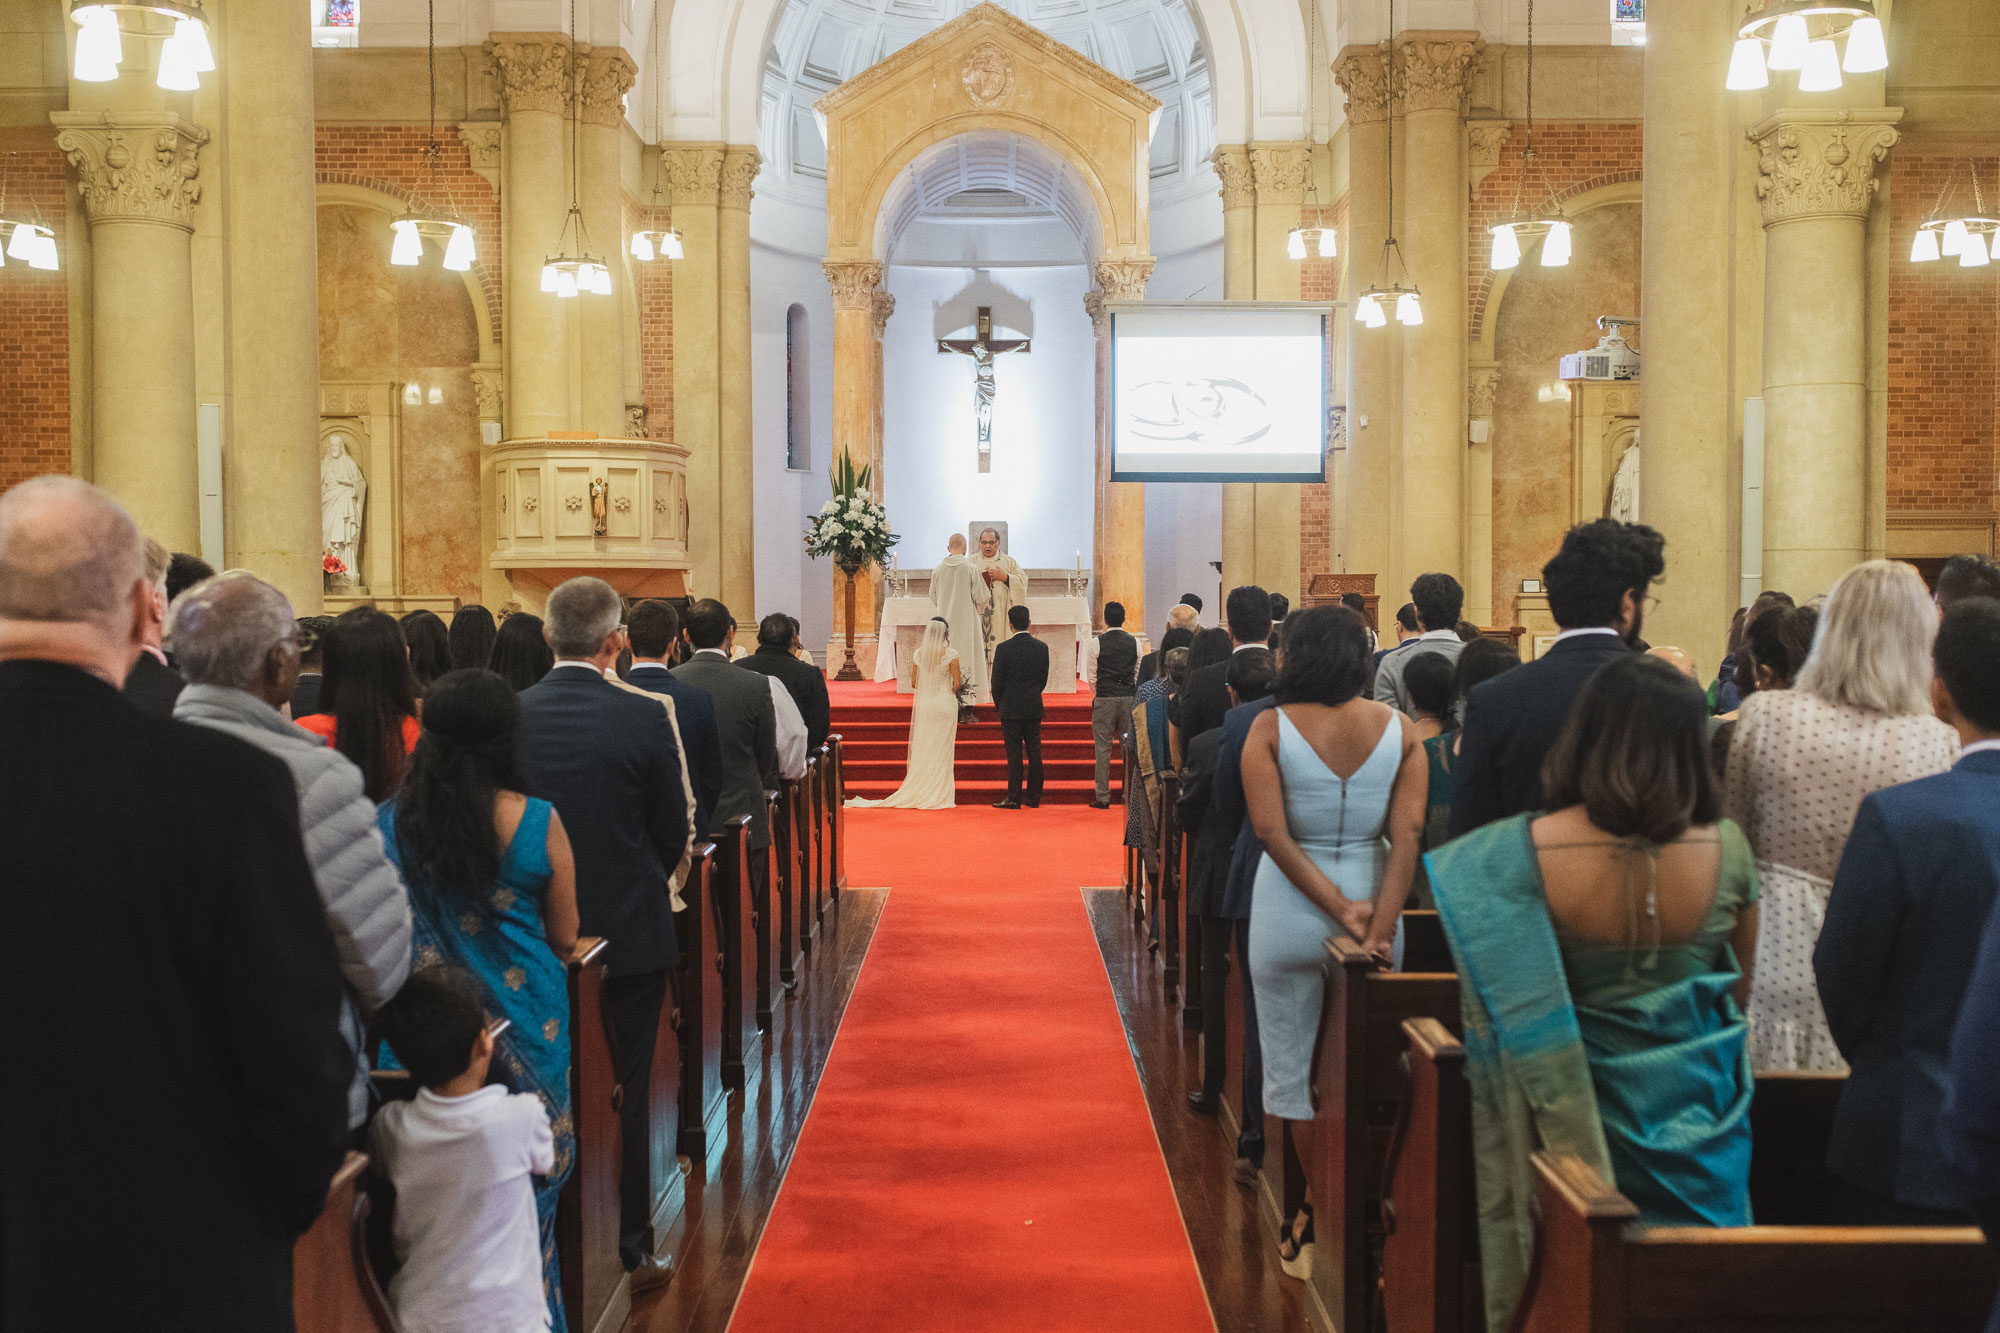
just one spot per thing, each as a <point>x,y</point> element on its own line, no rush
<point>982,349</point>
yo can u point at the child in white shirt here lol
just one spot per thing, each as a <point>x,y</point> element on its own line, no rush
<point>460,1156</point>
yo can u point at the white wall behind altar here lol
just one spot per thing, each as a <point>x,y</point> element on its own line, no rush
<point>786,580</point>
<point>1183,519</point>
<point>1043,479</point>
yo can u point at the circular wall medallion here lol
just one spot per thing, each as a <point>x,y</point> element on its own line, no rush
<point>988,75</point>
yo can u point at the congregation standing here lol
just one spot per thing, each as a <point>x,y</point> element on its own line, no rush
<point>262,856</point>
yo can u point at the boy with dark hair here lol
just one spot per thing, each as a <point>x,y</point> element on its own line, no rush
<point>1901,960</point>
<point>1438,599</point>
<point>460,1155</point>
<point>1111,707</point>
<point>1193,600</point>
<point>1967,576</point>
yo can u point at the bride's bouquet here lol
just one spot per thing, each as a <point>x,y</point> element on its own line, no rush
<point>852,527</point>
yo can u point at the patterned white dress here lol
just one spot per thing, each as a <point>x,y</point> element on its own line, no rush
<point>1798,770</point>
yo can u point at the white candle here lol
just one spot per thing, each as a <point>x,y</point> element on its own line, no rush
<point>1079,562</point>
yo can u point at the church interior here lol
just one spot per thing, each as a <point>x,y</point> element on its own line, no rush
<point>415,306</point>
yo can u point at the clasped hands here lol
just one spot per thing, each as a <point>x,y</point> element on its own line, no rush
<point>1355,918</point>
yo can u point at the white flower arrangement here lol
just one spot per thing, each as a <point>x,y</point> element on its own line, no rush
<point>852,527</point>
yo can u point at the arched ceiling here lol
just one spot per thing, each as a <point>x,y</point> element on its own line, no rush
<point>819,44</point>
<point>988,175</point>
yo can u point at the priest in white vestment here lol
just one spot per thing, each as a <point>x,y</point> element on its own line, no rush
<point>1004,581</point>
<point>958,590</point>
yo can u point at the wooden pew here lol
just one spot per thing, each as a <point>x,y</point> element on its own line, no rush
<point>1791,1124</point>
<point>767,931</point>
<point>731,886</point>
<point>1430,1207</point>
<point>595,1288</point>
<point>1358,1091</point>
<point>1135,880</point>
<point>1596,1270</point>
<point>822,834</point>
<point>792,862</point>
<point>333,1288</point>
<point>1170,883</point>
<point>1191,980</point>
<point>836,820</point>
<point>698,1004</point>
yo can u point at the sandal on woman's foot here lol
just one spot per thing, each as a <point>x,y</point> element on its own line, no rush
<point>1295,1251</point>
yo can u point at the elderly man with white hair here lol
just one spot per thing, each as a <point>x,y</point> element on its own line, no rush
<point>174,991</point>
<point>238,647</point>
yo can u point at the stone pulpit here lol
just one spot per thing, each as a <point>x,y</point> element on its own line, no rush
<point>575,502</point>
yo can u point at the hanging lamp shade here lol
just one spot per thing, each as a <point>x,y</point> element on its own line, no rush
<point>1925,248</point>
<point>1746,66</point>
<point>669,245</point>
<point>1954,237</point>
<point>1789,40</point>
<point>642,246</point>
<point>1822,68</point>
<point>99,51</point>
<point>1973,253</point>
<point>1866,50</point>
<point>460,250</point>
<point>1409,310</point>
<point>408,248</point>
<point>1555,250</point>
<point>1506,248</point>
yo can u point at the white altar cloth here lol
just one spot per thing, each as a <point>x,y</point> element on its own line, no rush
<point>1062,622</point>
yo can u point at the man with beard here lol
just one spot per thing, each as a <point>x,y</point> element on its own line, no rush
<point>1597,593</point>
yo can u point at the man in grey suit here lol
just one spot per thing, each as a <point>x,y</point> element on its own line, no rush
<point>746,720</point>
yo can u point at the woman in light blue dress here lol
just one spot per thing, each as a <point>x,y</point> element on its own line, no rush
<point>1336,784</point>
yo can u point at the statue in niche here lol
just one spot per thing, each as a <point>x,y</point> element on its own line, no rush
<point>1624,501</point>
<point>343,493</point>
<point>600,498</point>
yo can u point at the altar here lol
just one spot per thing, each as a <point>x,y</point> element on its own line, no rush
<point>1062,621</point>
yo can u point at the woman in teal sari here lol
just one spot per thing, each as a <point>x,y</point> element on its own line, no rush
<point>493,890</point>
<point>1602,954</point>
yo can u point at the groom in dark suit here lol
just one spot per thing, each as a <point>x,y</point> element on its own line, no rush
<point>1020,674</point>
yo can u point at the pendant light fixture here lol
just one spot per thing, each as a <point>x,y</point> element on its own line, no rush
<point>564,273</point>
<point>179,25</point>
<point>1317,240</point>
<point>658,243</point>
<point>1548,224</point>
<point>1971,238</point>
<point>1801,35</point>
<point>1401,296</point>
<point>32,242</point>
<point>429,213</point>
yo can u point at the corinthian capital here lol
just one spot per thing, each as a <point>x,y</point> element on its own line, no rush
<point>854,282</point>
<point>604,75</point>
<point>879,310</point>
<point>1363,74</point>
<point>1124,279</point>
<point>1436,69</point>
<point>1232,164</point>
<point>694,172</point>
<point>134,166</point>
<point>1821,163</point>
<point>534,70</point>
<point>739,169</point>
<point>1280,170</point>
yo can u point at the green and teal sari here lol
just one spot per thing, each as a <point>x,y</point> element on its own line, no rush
<point>1643,1071</point>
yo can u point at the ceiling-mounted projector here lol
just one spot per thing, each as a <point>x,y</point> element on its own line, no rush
<point>1612,358</point>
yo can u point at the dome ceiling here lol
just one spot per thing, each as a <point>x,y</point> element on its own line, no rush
<point>820,44</point>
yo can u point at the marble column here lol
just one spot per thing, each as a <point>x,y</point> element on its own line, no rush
<point>1688,414</point>
<point>604,75</point>
<point>1816,176</point>
<point>857,394</point>
<point>694,174</point>
<point>271,466</point>
<point>1118,552</point>
<point>1434,70</point>
<point>739,548</point>
<point>1279,171</point>
<point>137,173</point>
<point>1239,283</point>
<point>535,77</point>
<point>1372,354</point>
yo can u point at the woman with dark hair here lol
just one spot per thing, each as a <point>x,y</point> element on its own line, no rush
<point>1335,787</point>
<point>521,652</point>
<point>1603,950</point>
<point>430,647</point>
<point>367,698</point>
<point>492,886</point>
<point>472,631</point>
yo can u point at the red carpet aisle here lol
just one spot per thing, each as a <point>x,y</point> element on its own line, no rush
<point>979,1156</point>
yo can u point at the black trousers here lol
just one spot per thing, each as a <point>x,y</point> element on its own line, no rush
<point>632,1013</point>
<point>1216,935</point>
<point>1023,734</point>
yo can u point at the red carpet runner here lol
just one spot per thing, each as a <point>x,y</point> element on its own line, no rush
<point>979,1155</point>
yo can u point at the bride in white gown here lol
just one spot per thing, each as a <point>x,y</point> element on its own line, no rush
<point>929,781</point>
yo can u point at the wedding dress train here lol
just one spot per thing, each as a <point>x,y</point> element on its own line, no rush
<point>930,779</point>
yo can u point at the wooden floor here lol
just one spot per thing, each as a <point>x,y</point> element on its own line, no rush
<point>717,1234</point>
<point>1235,1246</point>
<point>726,1209</point>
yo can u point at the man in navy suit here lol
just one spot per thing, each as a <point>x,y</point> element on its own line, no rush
<point>1020,674</point>
<point>652,627</point>
<point>1896,955</point>
<point>606,760</point>
<point>1597,593</point>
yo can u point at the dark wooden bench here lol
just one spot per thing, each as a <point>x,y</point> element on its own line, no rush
<point>333,1288</point>
<point>730,887</point>
<point>1191,979</point>
<point>1358,1089</point>
<point>768,931</point>
<point>698,1005</point>
<point>835,794</point>
<point>788,846</point>
<point>595,1288</point>
<point>1595,1270</point>
<point>1169,889</point>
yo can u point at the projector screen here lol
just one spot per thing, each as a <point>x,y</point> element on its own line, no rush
<point>1218,392</point>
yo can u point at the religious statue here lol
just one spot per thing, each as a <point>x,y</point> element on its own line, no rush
<point>1005,582</point>
<point>600,493</point>
<point>1624,502</point>
<point>982,349</point>
<point>343,492</point>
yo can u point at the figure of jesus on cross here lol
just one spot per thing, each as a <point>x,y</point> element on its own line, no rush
<point>982,348</point>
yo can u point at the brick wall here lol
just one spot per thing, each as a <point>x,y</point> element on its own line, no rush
<point>34,314</point>
<point>654,285</point>
<point>1944,365</point>
<point>389,158</point>
<point>1319,280</point>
